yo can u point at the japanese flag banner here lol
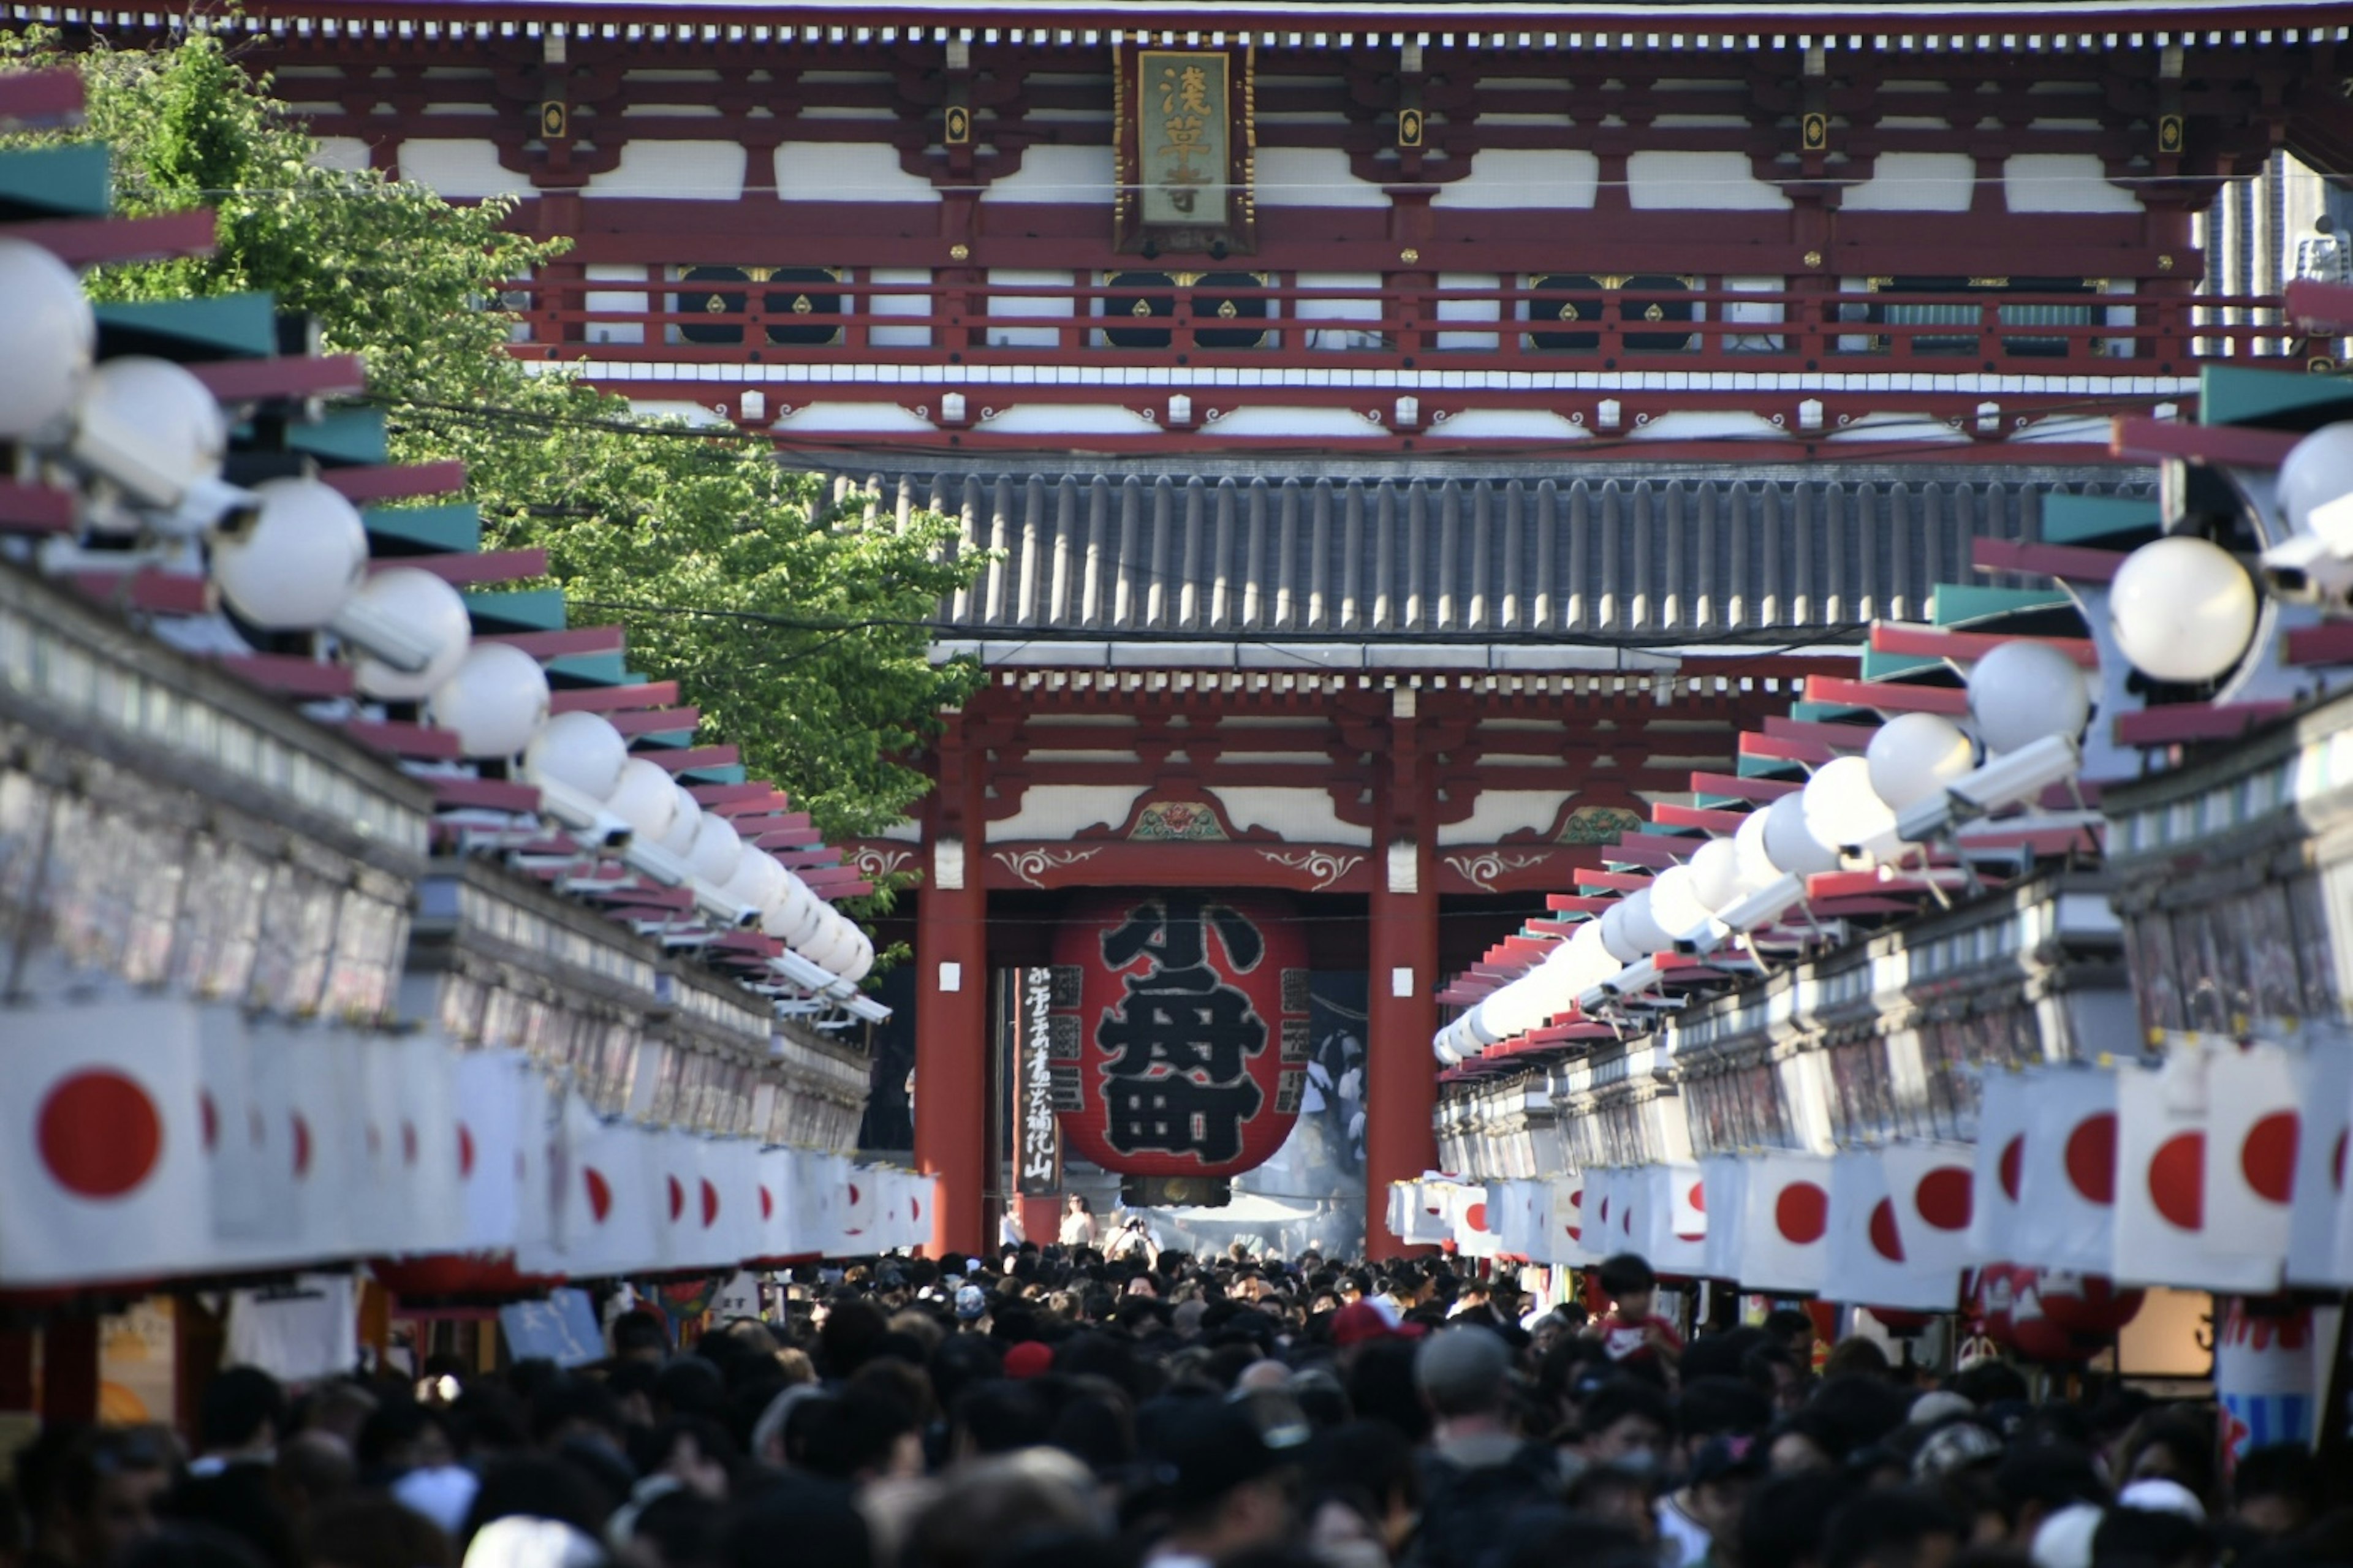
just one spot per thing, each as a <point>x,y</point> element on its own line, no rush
<point>2162,1237</point>
<point>546,1178</point>
<point>1673,1215</point>
<point>679,1200</point>
<point>1784,1214</point>
<point>2323,1095</point>
<point>610,1218</point>
<point>820,1181</point>
<point>1868,1264</point>
<point>305,1088</point>
<point>1474,1236</point>
<point>1605,1211</point>
<point>488,1119</point>
<point>1430,1221</point>
<point>1503,1216</point>
<point>380,1217</point>
<point>2067,1183</point>
<point>1721,1177</point>
<point>2003,1115</point>
<point>1933,1189</point>
<point>429,1139</point>
<point>2255,1122</point>
<point>1396,1205</point>
<point>726,1200</point>
<point>776,1167</point>
<point>1535,1221</point>
<point>1566,1222</point>
<point>234,1137</point>
<point>102,1171</point>
<point>861,1216</point>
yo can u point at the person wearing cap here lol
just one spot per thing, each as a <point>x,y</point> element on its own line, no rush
<point>1225,1485</point>
<point>1479,1469</point>
<point>972,1309</point>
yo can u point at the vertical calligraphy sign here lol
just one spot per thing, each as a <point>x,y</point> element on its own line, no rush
<point>1038,1136</point>
<point>1187,152</point>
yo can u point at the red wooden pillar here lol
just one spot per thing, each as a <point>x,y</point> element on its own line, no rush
<point>952,1004</point>
<point>1400,1076</point>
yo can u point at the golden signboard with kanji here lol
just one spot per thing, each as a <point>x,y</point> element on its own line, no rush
<point>1184,150</point>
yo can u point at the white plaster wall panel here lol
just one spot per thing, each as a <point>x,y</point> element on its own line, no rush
<point>1059,811</point>
<point>676,170</point>
<point>348,153</point>
<point>917,304</point>
<point>616,300</point>
<point>1079,175</point>
<point>1510,425</point>
<point>694,413</point>
<point>1304,815</point>
<point>1313,177</point>
<point>1706,425</point>
<point>846,171</point>
<point>1915,183</point>
<point>1315,304</point>
<point>1468,309</point>
<point>459,169</point>
<point>670,111</point>
<point>1756,311</point>
<point>1519,177</point>
<point>1501,811</point>
<point>1069,419</point>
<point>855,418</point>
<point>1720,182</point>
<point>1897,426</point>
<point>1048,296</point>
<point>2063,183</point>
<point>1337,424</point>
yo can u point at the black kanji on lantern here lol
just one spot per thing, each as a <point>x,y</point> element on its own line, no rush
<point>1175,1074</point>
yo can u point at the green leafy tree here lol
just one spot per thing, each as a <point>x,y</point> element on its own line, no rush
<point>801,629</point>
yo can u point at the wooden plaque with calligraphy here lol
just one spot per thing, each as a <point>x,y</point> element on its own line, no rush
<point>1187,153</point>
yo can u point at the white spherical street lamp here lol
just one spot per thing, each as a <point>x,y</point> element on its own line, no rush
<point>494,703</point>
<point>47,334</point>
<point>646,797</point>
<point>2183,609</point>
<point>1716,873</point>
<point>581,752</point>
<point>2022,692</point>
<point>1841,809</point>
<point>1792,844</point>
<point>1914,755</point>
<point>298,559</point>
<point>717,849</point>
<point>431,610</point>
<point>2316,471</point>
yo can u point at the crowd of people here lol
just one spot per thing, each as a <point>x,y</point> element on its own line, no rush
<point>1052,1408</point>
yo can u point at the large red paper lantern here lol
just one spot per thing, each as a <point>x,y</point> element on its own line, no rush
<point>1179,1035</point>
<point>2087,1304</point>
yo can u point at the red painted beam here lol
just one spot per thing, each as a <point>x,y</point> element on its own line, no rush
<point>30,97</point>
<point>684,758</point>
<point>615,698</point>
<point>395,481</point>
<point>89,241</point>
<point>2330,642</point>
<point>476,566</point>
<point>654,720</point>
<point>290,376</point>
<point>2324,309</point>
<point>288,675</point>
<point>34,509</point>
<point>710,795</point>
<point>488,794</point>
<point>1668,815</point>
<point>560,644</point>
<point>1762,791</point>
<point>2237,445</point>
<point>1890,696</point>
<point>2179,722</point>
<point>154,592</point>
<point>1624,881</point>
<point>404,739</point>
<point>1778,748</point>
<point>2076,562</point>
<point>1827,737</point>
<point>1576,904</point>
<point>1964,648</point>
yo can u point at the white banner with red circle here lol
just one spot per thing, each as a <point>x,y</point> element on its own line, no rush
<point>2164,1177</point>
<point>2067,1180</point>
<point>1869,1264</point>
<point>1785,1210</point>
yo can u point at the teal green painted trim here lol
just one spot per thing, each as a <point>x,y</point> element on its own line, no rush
<point>666,740</point>
<point>1877,666</point>
<point>454,530</point>
<point>592,669</point>
<point>1719,801</point>
<point>2078,520</point>
<point>343,436</point>
<point>1829,712</point>
<point>732,774</point>
<point>530,610</point>
<point>2278,399</point>
<point>71,181</point>
<point>1767,768</point>
<point>242,326</point>
<point>1959,603</point>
